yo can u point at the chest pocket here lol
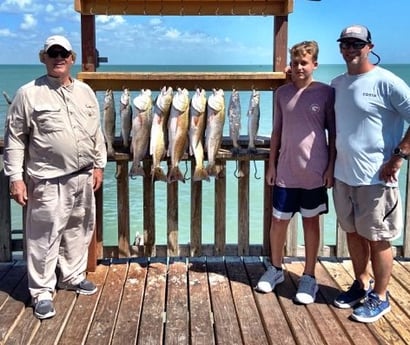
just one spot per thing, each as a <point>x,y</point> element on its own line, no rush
<point>48,118</point>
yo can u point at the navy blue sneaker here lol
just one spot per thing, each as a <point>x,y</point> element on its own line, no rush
<point>353,296</point>
<point>44,309</point>
<point>372,309</point>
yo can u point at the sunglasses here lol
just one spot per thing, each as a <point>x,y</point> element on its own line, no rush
<point>353,44</point>
<point>55,53</point>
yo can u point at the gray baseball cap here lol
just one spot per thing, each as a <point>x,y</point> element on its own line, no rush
<point>359,32</point>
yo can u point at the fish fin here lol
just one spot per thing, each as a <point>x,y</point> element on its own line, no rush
<point>136,170</point>
<point>175,175</point>
<point>158,174</point>
<point>200,174</point>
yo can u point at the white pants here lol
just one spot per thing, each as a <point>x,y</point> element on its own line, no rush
<point>59,226</point>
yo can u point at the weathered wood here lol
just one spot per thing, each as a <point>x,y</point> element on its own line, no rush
<point>247,313</point>
<point>320,311</point>
<point>275,324</point>
<point>102,327</point>
<point>196,216</point>
<point>211,303</point>
<point>123,209</point>
<point>129,315</point>
<point>243,209</point>
<point>78,325</point>
<point>13,307</point>
<point>227,329</point>
<point>153,313</point>
<point>220,210</point>
<point>50,329</point>
<point>184,7</point>
<point>302,326</point>
<point>5,216</point>
<point>148,211</point>
<point>172,215</point>
<point>100,81</point>
<point>201,320</point>
<point>177,320</point>
<point>88,44</point>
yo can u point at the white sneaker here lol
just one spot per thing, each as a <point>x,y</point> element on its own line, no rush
<point>307,290</point>
<point>270,279</point>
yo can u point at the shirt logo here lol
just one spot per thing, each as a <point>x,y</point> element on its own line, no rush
<point>314,108</point>
<point>369,94</point>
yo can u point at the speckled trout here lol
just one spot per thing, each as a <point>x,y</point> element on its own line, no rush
<point>234,115</point>
<point>109,121</point>
<point>126,117</point>
<point>253,119</point>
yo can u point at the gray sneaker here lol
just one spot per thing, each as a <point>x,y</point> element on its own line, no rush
<point>307,290</point>
<point>270,279</point>
<point>44,309</point>
<point>84,288</point>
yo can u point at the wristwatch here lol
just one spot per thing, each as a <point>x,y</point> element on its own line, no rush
<point>398,152</point>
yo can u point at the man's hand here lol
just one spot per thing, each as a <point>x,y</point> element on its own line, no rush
<point>98,176</point>
<point>18,192</point>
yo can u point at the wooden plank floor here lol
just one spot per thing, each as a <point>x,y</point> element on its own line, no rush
<point>207,300</point>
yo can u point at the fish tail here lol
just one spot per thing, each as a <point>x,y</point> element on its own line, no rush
<point>212,170</point>
<point>200,174</point>
<point>158,174</point>
<point>175,175</point>
<point>136,170</point>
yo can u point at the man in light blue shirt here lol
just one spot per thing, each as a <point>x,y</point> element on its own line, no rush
<point>372,106</point>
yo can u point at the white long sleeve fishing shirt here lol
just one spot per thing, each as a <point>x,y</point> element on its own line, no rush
<point>54,129</point>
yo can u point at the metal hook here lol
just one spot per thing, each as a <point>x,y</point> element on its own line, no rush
<point>256,171</point>
<point>91,11</point>
<point>186,172</point>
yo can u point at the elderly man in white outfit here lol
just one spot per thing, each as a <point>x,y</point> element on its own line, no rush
<point>55,156</point>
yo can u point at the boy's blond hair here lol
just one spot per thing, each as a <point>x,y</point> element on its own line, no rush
<point>305,48</point>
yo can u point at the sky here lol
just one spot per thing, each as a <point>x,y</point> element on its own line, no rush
<point>199,40</point>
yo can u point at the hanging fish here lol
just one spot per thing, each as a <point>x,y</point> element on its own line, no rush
<point>234,115</point>
<point>253,120</point>
<point>159,132</point>
<point>126,117</point>
<point>214,128</point>
<point>196,132</point>
<point>178,133</point>
<point>141,127</point>
<point>109,121</point>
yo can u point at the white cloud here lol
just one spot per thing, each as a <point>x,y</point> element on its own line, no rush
<point>6,33</point>
<point>173,34</point>
<point>29,22</point>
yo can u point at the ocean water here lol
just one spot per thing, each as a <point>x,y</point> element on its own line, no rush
<point>13,76</point>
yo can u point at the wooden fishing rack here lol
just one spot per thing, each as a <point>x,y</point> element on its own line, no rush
<point>136,80</point>
<point>264,81</point>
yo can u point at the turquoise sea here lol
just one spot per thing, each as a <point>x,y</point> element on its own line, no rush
<point>13,76</point>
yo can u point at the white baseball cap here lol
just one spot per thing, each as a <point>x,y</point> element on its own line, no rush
<point>57,40</point>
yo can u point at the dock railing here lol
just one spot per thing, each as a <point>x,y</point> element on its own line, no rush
<point>12,239</point>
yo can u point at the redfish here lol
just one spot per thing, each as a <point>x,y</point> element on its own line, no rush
<point>159,132</point>
<point>178,133</point>
<point>141,128</point>
<point>214,128</point>
<point>196,133</point>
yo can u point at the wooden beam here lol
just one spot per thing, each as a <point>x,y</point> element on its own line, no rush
<point>184,7</point>
<point>100,81</point>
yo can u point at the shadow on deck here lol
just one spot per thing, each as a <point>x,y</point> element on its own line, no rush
<point>206,300</point>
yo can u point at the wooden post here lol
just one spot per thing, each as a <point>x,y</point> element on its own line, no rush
<point>88,60</point>
<point>88,43</point>
<point>5,216</point>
